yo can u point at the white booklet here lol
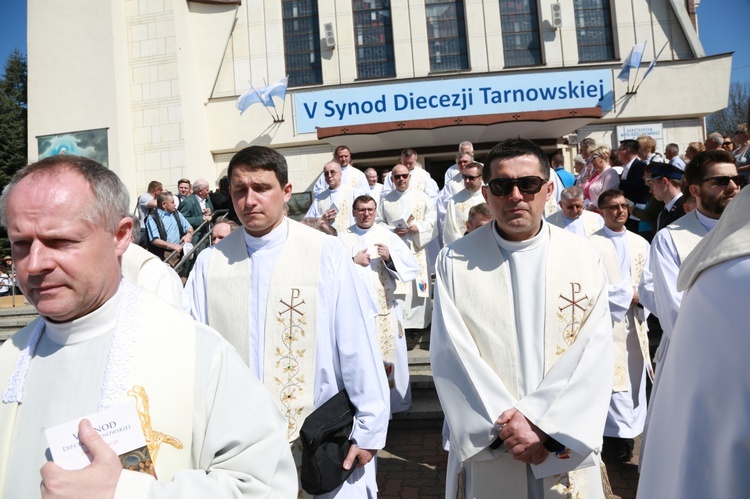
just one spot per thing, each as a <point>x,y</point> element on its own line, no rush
<point>119,426</point>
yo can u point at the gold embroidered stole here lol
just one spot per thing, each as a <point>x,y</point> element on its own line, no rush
<point>161,382</point>
<point>458,214</point>
<point>387,324</point>
<point>638,248</point>
<point>417,206</point>
<point>344,205</point>
<point>290,324</point>
<point>590,222</point>
<point>686,233</point>
<point>570,289</point>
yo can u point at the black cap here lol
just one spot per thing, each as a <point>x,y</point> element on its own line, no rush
<point>659,170</point>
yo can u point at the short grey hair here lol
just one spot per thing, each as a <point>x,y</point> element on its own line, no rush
<point>579,159</point>
<point>199,184</point>
<point>111,199</point>
<point>571,193</point>
<point>716,138</point>
<point>675,149</point>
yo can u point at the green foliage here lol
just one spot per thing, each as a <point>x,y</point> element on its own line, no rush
<point>727,119</point>
<point>13,125</point>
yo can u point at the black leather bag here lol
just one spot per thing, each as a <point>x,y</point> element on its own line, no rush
<point>325,444</point>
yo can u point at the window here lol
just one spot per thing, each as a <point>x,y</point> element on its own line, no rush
<point>594,30</point>
<point>446,35</point>
<point>302,42</point>
<point>519,20</point>
<point>373,38</point>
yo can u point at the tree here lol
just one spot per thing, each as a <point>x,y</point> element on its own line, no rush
<point>727,119</point>
<point>13,124</point>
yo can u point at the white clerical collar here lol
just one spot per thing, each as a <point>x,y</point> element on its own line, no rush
<point>669,205</point>
<point>274,238</point>
<point>359,230</point>
<point>99,322</point>
<point>707,223</point>
<point>610,233</point>
<point>529,244</point>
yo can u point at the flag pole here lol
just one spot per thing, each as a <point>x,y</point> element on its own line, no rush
<point>262,101</point>
<point>275,112</point>
<point>650,67</point>
<point>639,67</point>
<point>283,106</point>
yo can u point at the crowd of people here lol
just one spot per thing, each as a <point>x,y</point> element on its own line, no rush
<point>546,292</point>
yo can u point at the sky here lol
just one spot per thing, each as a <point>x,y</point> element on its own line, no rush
<point>721,23</point>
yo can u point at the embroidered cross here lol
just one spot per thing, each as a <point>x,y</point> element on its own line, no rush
<point>291,308</point>
<point>639,263</point>
<point>573,303</point>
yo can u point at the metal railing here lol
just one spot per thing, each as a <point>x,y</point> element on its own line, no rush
<point>217,216</point>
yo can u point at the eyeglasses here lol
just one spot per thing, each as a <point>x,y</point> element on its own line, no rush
<point>723,180</point>
<point>400,176</point>
<point>527,185</point>
<point>470,177</point>
<point>727,144</point>
<point>615,207</point>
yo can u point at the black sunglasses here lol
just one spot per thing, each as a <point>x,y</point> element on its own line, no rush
<point>470,177</point>
<point>723,180</point>
<point>400,176</point>
<point>527,185</point>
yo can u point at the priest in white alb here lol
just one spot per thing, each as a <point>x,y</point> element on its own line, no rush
<point>375,187</point>
<point>521,344</point>
<point>624,254</point>
<point>382,259</point>
<point>334,204</point>
<point>573,217</point>
<point>101,342</point>
<point>458,207</point>
<point>286,296</point>
<point>712,179</point>
<point>699,437</point>
<point>350,176</point>
<point>411,215</point>
<point>453,185</point>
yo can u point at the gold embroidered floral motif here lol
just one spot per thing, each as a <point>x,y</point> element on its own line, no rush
<point>291,382</point>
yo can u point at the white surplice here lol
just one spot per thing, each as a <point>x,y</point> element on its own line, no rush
<point>699,443</point>
<point>150,273</point>
<point>666,256</point>
<point>457,213</point>
<point>542,345</point>
<point>452,186</point>
<point>342,199</point>
<point>624,254</point>
<point>414,298</point>
<point>585,225</point>
<point>374,192</point>
<point>380,279</point>
<point>346,355</point>
<point>75,365</point>
<point>350,176</point>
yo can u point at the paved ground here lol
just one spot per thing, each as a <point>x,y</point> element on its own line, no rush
<point>413,464</point>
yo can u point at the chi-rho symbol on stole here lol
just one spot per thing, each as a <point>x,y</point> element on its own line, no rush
<point>570,314</point>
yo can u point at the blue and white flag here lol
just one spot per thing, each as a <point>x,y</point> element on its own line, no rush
<point>653,63</point>
<point>633,60</point>
<point>277,89</point>
<point>247,99</point>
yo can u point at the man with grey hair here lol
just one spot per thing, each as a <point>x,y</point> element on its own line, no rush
<point>453,170</point>
<point>714,141</point>
<point>198,208</point>
<point>334,204</point>
<point>672,154</point>
<point>102,342</point>
<point>573,217</point>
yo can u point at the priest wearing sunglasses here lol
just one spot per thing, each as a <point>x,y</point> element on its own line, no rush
<point>712,179</point>
<point>521,343</point>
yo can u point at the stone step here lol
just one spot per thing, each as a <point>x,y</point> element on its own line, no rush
<point>14,318</point>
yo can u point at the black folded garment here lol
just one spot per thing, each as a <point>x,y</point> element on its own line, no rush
<point>325,444</point>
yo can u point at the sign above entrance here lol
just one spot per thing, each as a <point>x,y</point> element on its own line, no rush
<point>365,104</point>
